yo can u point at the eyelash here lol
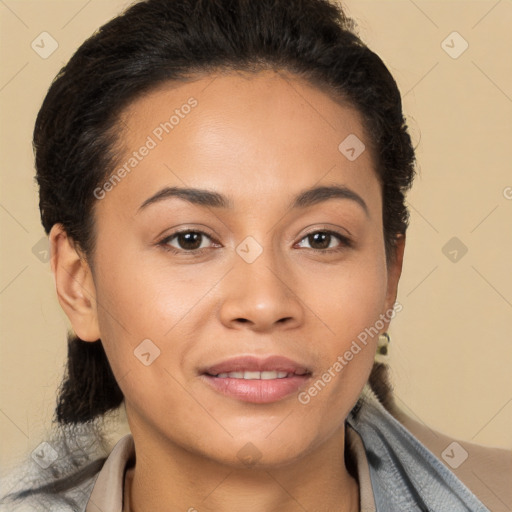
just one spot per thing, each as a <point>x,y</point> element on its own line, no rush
<point>345,242</point>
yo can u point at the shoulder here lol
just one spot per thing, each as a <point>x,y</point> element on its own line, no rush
<point>486,471</point>
<point>58,475</point>
<point>413,466</point>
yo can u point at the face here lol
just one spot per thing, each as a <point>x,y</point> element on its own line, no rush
<point>222,311</point>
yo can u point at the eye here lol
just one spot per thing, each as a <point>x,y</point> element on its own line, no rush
<point>323,239</point>
<point>186,241</point>
<point>195,242</point>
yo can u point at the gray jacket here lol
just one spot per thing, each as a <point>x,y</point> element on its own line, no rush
<point>405,475</point>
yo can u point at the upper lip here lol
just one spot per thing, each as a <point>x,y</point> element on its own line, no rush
<point>257,364</point>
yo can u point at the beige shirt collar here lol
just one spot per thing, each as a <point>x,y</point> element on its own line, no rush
<point>108,490</point>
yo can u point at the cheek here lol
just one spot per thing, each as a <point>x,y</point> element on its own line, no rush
<point>351,308</point>
<point>128,311</point>
<point>140,301</point>
<point>349,302</point>
<point>137,298</point>
<point>349,298</point>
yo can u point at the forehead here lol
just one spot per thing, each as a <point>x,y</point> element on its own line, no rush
<point>248,133</point>
<point>250,95</point>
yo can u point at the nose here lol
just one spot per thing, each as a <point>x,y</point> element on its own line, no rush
<point>260,295</point>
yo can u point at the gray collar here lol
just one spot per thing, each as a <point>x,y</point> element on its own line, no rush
<point>405,475</point>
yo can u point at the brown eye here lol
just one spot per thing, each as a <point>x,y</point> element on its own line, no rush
<point>322,241</point>
<point>189,241</point>
<point>185,241</point>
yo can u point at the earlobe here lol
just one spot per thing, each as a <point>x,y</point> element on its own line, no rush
<point>74,284</point>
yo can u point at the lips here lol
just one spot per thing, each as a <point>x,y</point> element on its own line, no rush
<point>250,364</point>
<point>256,380</point>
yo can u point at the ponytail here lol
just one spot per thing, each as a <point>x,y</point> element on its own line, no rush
<point>89,388</point>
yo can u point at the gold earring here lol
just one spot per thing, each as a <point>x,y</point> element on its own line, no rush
<point>381,355</point>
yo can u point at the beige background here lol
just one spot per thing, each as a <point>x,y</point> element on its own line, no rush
<point>451,350</point>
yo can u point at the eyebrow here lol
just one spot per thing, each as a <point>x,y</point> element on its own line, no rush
<point>211,199</point>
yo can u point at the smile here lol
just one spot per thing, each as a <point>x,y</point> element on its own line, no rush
<point>256,380</point>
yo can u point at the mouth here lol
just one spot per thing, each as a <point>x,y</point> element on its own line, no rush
<point>248,375</point>
<point>257,380</point>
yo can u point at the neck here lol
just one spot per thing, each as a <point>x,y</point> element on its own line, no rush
<point>190,482</point>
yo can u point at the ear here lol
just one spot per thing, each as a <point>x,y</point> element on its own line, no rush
<point>75,285</point>
<point>394,271</point>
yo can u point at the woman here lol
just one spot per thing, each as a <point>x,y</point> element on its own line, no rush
<point>223,183</point>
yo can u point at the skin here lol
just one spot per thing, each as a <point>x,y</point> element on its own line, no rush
<point>260,140</point>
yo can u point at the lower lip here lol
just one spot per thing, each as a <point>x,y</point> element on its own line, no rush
<point>257,391</point>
